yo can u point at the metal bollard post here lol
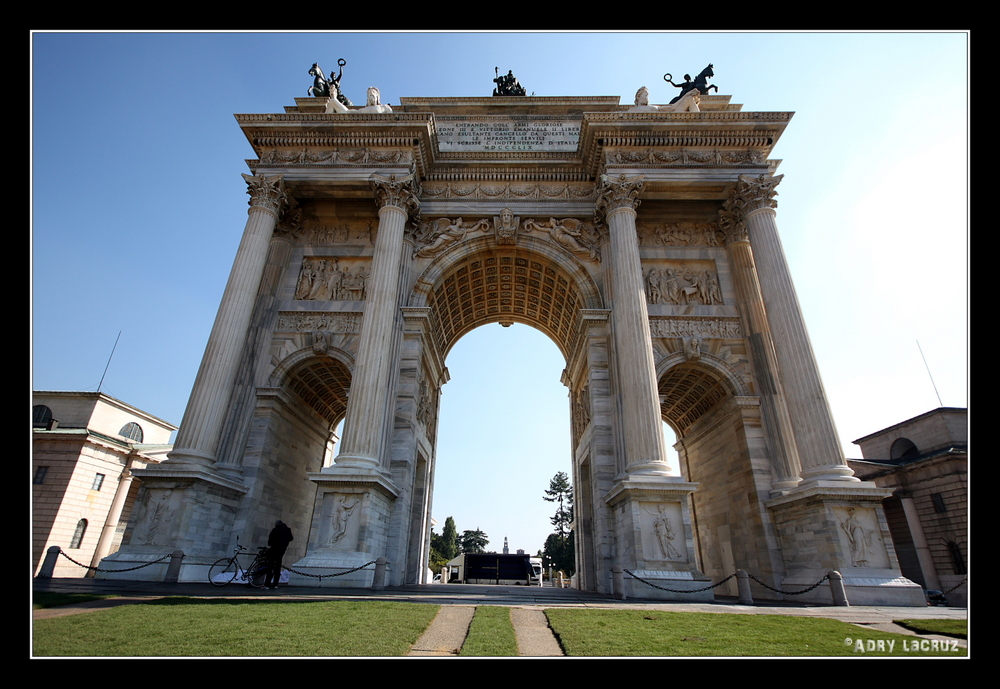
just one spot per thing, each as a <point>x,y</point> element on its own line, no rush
<point>49,564</point>
<point>743,584</point>
<point>174,567</point>
<point>378,582</point>
<point>837,589</point>
<point>444,575</point>
<point>617,582</point>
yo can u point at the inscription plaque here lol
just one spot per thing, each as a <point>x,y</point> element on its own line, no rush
<point>527,133</point>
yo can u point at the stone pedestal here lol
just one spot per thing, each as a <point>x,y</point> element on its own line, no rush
<point>653,524</point>
<point>349,528</point>
<point>841,527</point>
<point>186,510</point>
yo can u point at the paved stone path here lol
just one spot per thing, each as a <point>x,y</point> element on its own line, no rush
<point>446,633</point>
<point>534,637</point>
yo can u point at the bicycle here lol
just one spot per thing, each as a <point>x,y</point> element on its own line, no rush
<point>225,570</point>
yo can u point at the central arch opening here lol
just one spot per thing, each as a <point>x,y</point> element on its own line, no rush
<point>503,433</point>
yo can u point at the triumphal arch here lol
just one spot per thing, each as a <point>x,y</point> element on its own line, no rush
<point>641,239</point>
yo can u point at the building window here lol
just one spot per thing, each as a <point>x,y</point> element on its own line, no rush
<point>938,501</point>
<point>956,557</point>
<point>81,528</point>
<point>40,416</point>
<point>132,431</point>
<point>40,475</point>
<point>98,482</point>
<point>903,448</point>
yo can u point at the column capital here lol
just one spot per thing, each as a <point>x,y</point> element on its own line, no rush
<point>750,194</point>
<point>402,193</point>
<point>267,193</point>
<point>614,194</point>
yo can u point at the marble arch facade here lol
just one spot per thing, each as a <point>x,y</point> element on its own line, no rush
<point>642,241</point>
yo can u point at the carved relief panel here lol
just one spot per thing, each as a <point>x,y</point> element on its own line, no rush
<point>332,279</point>
<point>860,533</point>
<point>341,519</point>
<point>682,282</point>
<point>663,531</point>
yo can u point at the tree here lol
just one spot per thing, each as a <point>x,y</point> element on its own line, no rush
<point>444,547</point>
<point>449,539</point>
<point>560,546</point>
<point>474,541</point>
<point>561,491</point>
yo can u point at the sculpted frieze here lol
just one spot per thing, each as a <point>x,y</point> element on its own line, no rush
<point>347,156</point>
<point>338,322</point>
<point>680,234</point>
<point>692,282</point>
<point>692,156</point>
<point>506,191</point>
<point>694,326</point>
<point>313,233</point>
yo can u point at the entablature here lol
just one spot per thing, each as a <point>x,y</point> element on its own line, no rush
<point>548,146</point>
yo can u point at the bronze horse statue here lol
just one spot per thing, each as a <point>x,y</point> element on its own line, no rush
<point>326,88</point>
<point>700,82</point>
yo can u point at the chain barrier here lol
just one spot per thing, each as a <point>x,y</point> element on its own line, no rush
<point>712,586</point>
<point>328,576</point>
<point>945,593</point>
<point>647,583</point>
<point>98,569</point>
<point>789,593</point>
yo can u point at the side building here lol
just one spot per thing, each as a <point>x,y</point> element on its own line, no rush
<point>84,448</point>
<point>925,461</point>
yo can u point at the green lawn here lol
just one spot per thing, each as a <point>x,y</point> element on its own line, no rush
<point>491,633</point>
<point>53,600</point>
<point>653,633</point>
<point>192,627</point>
<point>956,628</point>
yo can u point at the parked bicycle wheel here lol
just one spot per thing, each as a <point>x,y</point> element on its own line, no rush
<point>258,575</point>
<point>223,571</point>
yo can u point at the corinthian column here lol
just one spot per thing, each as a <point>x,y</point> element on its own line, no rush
<point>784,460</point>
<point>366,405</point>
<point>816,438</point>
<point>198,436</point>
<point>641,422</point>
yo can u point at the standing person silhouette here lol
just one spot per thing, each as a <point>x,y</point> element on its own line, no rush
<point>277,543</point>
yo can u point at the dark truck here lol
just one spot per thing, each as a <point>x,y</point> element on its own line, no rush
<point>494,568</point>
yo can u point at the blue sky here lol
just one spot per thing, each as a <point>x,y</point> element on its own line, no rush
<point>138,207</point>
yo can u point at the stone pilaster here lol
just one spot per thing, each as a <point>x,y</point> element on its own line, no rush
<point>198,437</point>
<point>815,435</point>
<point>641,423</point>
<point>365,418</point>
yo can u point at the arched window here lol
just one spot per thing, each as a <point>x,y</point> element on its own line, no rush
<point>40,416</point>
<point>132,431</point>
<point>903,448</point>
<point>81,529</point>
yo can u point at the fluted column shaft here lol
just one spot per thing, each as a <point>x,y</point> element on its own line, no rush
<point>641,423</point>
<point>816,437</point>
<point>198,436</point>
<point>785,460</point>
<point>365,416</point>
